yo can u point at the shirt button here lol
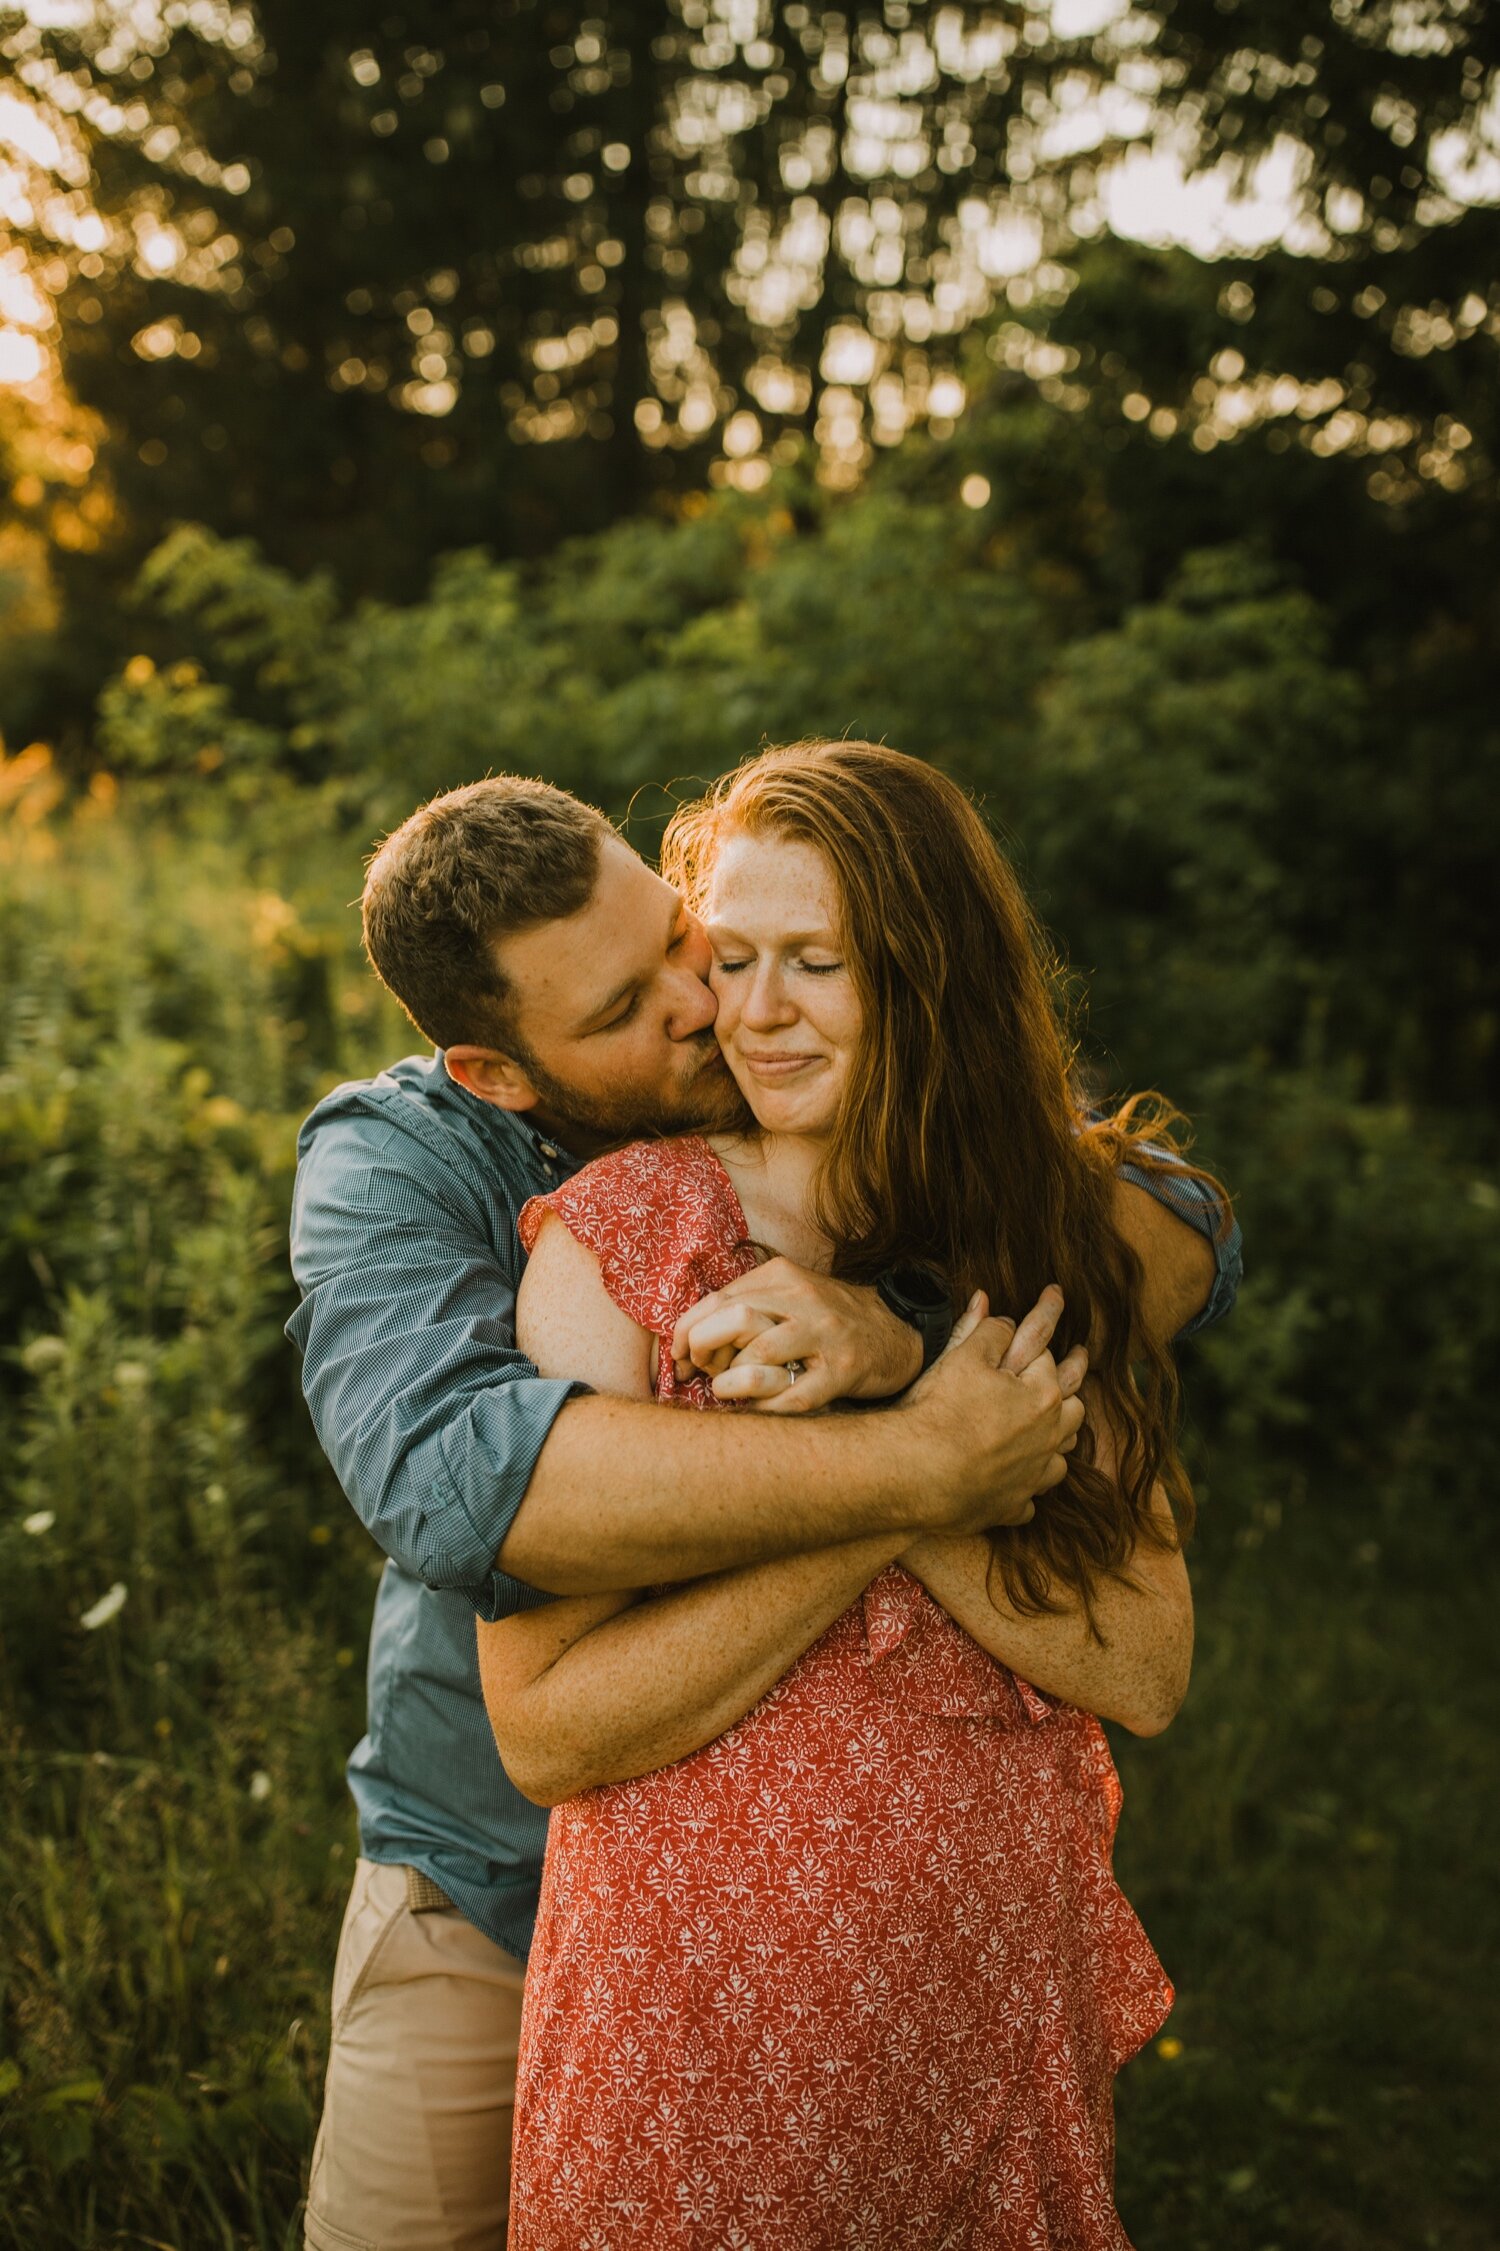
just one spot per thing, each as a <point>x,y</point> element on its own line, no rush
<point>548,1150</point>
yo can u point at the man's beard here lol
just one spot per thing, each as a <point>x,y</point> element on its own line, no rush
<point>708,1102</point>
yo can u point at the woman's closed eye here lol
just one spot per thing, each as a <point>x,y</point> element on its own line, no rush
<point>813,968</point>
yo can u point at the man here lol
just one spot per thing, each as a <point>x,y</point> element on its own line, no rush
<point>564,987</point>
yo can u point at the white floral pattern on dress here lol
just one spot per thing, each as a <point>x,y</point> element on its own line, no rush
<point>857,1976</point>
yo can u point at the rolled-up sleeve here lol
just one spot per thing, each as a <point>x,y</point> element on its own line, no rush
<point>432,1419</point>
<point>1197,1203</point>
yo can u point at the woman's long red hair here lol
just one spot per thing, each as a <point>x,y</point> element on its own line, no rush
<point>962,1142</point>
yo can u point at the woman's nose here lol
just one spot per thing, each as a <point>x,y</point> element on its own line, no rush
<point>767,1002</point>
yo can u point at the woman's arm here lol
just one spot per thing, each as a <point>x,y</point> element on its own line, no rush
<point>1134,1669</point>
<point>1178,1265</point>
<point>1136,1672</point>
<point>601,1688</point>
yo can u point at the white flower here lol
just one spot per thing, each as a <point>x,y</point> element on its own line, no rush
<point>132,1375</point>
<point>40,1520</point>
<point>43,1353</point>
<point>216,1494</point>
<point>260,1785</point>
<point>108,1606</point>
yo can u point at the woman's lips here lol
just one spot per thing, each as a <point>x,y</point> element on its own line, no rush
<point>777,1066</point>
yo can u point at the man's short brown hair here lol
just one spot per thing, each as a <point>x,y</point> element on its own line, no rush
<point>463,872</point>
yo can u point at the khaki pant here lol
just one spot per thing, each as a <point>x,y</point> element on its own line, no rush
<point>414,2150</point>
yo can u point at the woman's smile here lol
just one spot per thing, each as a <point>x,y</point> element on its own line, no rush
<point>775,1065</point>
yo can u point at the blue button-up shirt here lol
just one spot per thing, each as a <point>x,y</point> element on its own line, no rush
<point>404,1247</point>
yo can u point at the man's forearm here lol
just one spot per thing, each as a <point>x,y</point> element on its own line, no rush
<point>662,1678</point>
<point>626,1494</point>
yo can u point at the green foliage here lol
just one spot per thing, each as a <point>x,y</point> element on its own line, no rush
<point>654,649</point>
<point>1231,765</point>
<point>1373,1305</point>
<point>175,722</point>
<point>184,1594</point>
<point>1190,768</point>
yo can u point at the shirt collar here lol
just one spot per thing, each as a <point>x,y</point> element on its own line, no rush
<point>552,1153</point>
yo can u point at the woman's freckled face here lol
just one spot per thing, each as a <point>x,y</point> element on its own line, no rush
<point>789,1018</point>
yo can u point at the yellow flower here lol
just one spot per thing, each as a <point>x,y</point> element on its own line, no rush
<point>1169,2049</point>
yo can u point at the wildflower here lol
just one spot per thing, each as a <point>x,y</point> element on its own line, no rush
<point>1169,2049</point>
<point>43,1353</point>
<point>108,1606</point>
<point>260,1785</point>
<point>132,1375</point>
<point>40,1520</point>
<point>215,1495</point>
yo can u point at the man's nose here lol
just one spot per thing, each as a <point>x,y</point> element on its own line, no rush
<point>693,1006</point>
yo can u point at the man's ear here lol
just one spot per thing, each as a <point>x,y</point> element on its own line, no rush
<point>490,1076</point>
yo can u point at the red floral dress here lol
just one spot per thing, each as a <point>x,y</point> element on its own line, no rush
<point>855,1977</point>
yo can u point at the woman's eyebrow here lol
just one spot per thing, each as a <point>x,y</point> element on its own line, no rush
<point>718,932</point>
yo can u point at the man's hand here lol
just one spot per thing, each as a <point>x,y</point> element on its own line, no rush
<point>1003,1416</point>
<point>786,1341</point>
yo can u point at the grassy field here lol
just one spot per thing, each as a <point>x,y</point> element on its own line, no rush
<point>184,1598</point>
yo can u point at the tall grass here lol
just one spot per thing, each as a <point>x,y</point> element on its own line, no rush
<point>184,1598</point>
<point>183,1593</point>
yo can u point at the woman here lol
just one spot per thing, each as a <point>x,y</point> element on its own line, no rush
<point>848,1966</point>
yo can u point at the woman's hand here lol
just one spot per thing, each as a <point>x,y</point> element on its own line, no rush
<point>787,1341</point>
